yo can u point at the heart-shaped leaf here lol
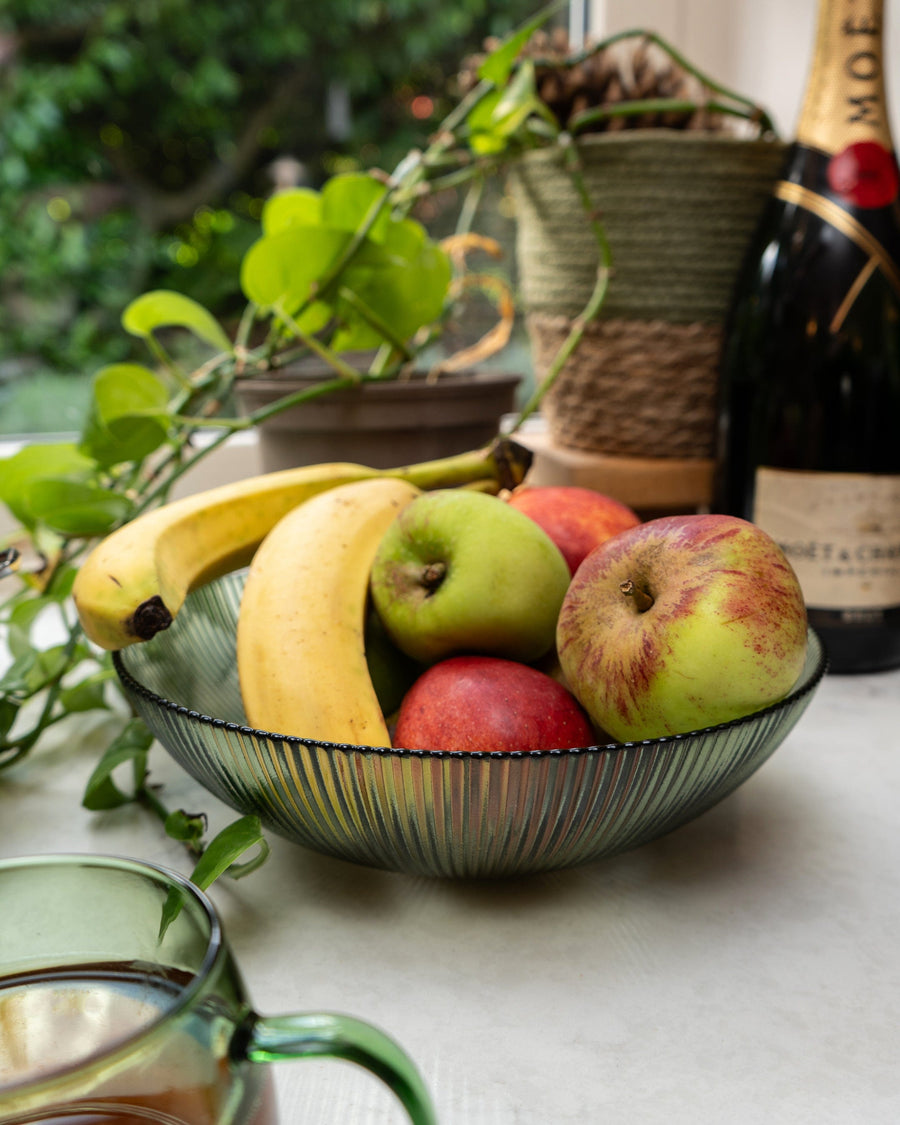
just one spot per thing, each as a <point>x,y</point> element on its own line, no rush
<point>502,113</point>
<point>347,199</point>
<point>164,308</point>
<point>75,509</point>
<point>498,65</point>
<point>34,462</point>
<point>485,135</point>
<point>131,746</point>
<point>406,289</point>
<point>297,207</point>
<point>86,695</point>
<point>280,270</point>
<point>127,419</point>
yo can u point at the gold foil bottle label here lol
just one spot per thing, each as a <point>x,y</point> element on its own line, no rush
<point>845,96</point>
<point>840,532</point>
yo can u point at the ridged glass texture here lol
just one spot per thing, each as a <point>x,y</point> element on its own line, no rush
<point>432,812</point>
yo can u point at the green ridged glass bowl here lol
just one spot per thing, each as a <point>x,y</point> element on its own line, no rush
<point>432,812</point>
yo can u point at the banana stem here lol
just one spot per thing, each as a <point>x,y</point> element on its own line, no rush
<point>505,461</point>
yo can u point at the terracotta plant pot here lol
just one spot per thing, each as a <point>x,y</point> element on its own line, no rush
<point>378,424</point>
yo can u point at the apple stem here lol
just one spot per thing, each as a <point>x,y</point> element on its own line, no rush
<point>642,599</point>
<point>433,575</point>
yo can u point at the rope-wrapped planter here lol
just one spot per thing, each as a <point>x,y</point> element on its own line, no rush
<point>678,209</point>
<point>633,387</point>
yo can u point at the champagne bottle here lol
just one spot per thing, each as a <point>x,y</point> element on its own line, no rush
<point>809,418</point>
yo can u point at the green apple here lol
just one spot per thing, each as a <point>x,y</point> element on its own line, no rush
<point>462,572</point>
<point>681,623</point>
<point>392,672</point>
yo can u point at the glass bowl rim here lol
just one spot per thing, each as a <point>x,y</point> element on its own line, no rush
<point>800,690</point>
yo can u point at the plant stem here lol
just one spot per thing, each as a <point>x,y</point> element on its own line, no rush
<point>581,121</point>
<point>244,327</point>
<point>750,109</point>
<point>46,719</point>
<point>470,206</point>
<point>641,598</point>
<point>406,170</point>
<point>154,495</point>
<point>165,359</point>
<point>372,318</point>
<point>595,301</point>
<point>324,353</point>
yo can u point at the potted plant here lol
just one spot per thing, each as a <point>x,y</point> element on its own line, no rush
<point>356,292</point>
<point>346,294</point>
<point>637,181</point>
<point>337,276</point>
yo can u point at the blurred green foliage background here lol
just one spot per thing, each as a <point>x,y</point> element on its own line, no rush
<point>138,139</point>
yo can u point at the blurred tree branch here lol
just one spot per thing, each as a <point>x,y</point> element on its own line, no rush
<point>159,209</point>
<point>138,140</point>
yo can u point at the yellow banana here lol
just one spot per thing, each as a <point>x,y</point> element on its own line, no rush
<point>300,650</point>
<point>136,579</point>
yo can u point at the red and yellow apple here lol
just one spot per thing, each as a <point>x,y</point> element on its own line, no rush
<point>681,623</point>
<point>576,519</point>
<point>487,704</point>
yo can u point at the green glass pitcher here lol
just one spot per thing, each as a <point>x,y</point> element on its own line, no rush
<point>121,1004</point>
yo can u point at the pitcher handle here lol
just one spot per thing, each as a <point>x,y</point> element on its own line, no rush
<point>326,1034</point>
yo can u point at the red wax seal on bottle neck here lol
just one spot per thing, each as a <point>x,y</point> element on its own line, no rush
<point>865,174</point>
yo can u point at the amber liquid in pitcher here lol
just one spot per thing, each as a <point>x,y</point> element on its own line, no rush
<point>58,1018</point>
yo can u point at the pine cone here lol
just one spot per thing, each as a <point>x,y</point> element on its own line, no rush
<point>633,69</point>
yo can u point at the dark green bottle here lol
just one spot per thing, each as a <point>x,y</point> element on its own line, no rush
<point>809,420</point>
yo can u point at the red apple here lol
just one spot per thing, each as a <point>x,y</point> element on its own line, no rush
<point>681,623</point>
<point>576,519</point>
<point>485,704</point>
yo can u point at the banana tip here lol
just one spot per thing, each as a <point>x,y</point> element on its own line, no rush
<point>150,618</point>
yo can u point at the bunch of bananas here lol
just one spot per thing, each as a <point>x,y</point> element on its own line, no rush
<point>310,536</point>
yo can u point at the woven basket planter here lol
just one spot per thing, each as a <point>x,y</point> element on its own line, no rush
<point>679,209</point>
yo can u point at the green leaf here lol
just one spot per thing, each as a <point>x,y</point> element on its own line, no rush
<point>164,308</point>
<point>485,135</point>
<point>405,290</point>
<point>280,270</point>
<point>517,100</point>
<point>131,746</point>
<point>87,695</point>
<point>299,206</point>
<point>186,827</point>
<point>33,669</point>
<point>74,509</point>
<point>218,857</point>
<point>347,199</point>
<point>33,463</point>
<point>221,852</point>
<point>9,712</point>
<point>498,65</point>
<point>122,389</point>
<point>19,676</point>
<point>61,583</point>
<point>128,419</point>
<point>21,620</point>
<point>502,113</point>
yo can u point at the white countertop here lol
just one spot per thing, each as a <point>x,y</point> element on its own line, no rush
<point>745,968</point>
